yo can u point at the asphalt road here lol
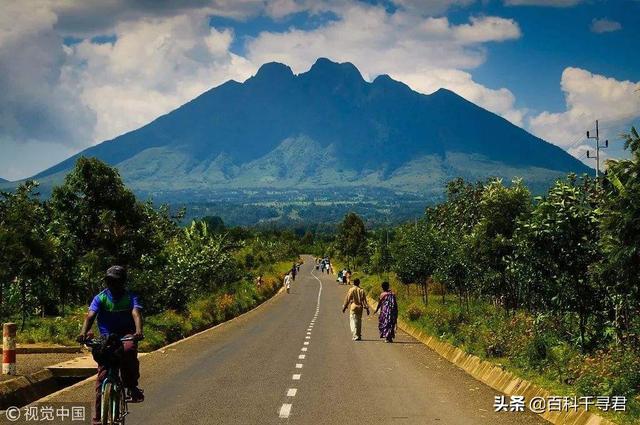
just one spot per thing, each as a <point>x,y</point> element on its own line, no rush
<point>292,360</point>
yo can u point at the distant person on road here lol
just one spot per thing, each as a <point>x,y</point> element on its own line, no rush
<point>293,272</point>
<point>348,277</point>
<point>388,318</point>
<point>118,312</point>
<point>344,276</point>
<point>287,282</point>
<point>356,300</point>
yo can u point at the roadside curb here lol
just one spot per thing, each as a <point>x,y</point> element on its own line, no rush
<point>20,390</point>
<point>47,350</point>
<point>497,378</point>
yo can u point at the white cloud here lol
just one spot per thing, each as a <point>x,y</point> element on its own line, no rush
<point>426,53</point>
<point>154,66</point>
<point>431,7</point>
<point>501,101</point>
<point>489,28</point>
<point>38,100</point>
<point>374,40</point>
<point>588,97</point>
<point>603,25</point>
<point>550,3</point>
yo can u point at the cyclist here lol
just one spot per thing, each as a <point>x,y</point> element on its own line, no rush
<point>118,312</point>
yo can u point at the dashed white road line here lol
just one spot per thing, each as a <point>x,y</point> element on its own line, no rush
<point>285,410</point>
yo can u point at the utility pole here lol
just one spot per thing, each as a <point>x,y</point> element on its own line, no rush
<point>598,147</point>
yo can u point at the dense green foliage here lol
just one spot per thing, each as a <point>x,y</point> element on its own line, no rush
<point>53,253</point>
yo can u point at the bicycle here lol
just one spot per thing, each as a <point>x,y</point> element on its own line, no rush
<point>113,406</point>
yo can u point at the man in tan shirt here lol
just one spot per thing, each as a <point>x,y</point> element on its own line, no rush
<point>357,300</point>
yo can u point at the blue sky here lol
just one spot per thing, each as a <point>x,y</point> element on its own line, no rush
<point>78,73</point>
<point>555,38</point>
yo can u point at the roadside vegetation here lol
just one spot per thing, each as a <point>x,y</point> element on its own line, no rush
<point>54,253</point>
<point>548,287</point>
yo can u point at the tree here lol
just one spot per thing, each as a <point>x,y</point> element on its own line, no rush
<point>25,249</point>
<point>620,218</point>
<point>379,247</point>
<point>500,208</point>
<point>352,239</point>
<point>559,243</point>
<point>97,217</point>
<point>416,254</point>
<point>307,239</point>
<point>214,223</point>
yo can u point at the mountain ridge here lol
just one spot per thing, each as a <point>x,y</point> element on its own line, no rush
<point>353,132</point>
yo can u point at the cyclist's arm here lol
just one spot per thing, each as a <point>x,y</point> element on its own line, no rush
<point>88,323</point>
<point>137,320</point>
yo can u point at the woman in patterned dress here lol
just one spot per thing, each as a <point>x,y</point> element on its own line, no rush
<point>388,318</point>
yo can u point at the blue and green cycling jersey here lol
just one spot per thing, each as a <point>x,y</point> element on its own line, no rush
<point>114,316</point>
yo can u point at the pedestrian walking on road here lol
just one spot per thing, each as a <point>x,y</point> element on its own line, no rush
<point>287,282</point>
<point>388,318</point>
<point>356,300</point>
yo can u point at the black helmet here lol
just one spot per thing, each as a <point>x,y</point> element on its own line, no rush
<point>117,273</point>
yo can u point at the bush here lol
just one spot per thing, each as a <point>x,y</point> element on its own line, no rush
<point>415,312</point>
<point>170,324</point>
<point>226,307</point>
<point>610,373</point>
<point>202,313</point>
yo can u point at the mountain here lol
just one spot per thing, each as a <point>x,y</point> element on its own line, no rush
<point>3,180</point>
<point>326,128</point>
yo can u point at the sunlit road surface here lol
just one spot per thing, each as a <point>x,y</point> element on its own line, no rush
<point>293,361</point>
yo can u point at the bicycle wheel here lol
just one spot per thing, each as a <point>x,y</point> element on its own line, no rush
<point>106,410</point>
<point>122,406</point>
<point>116,402</point>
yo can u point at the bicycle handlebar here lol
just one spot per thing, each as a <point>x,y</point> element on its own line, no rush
<point>97,341</point>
